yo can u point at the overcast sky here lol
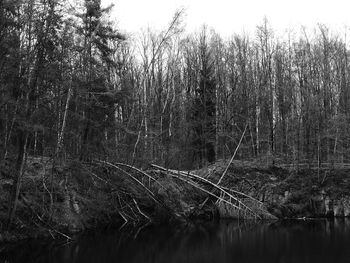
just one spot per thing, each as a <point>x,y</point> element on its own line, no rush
<point>231,16</point>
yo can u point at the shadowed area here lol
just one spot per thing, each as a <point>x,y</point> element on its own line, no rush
<point>227,241</point>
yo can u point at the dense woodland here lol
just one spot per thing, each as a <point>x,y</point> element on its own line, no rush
<point>72,86</point>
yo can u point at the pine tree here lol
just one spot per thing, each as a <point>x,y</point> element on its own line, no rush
<point>204,107</point>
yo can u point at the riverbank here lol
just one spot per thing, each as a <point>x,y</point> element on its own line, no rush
<point>58,200</point>
<point>289,193</point>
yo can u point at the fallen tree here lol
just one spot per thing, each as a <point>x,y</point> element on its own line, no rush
<point>58,200</point>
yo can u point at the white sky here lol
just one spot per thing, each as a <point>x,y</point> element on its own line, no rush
<point>228,17</point>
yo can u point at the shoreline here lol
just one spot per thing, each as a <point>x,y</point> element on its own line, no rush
<point>83,202</point>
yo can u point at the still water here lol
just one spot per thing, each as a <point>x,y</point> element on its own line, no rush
<point>296,241</point>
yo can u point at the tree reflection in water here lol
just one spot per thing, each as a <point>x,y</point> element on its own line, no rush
<point>228,241</point>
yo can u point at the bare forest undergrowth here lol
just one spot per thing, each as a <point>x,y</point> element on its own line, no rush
<point>59,199</point>
<point>56,200</point>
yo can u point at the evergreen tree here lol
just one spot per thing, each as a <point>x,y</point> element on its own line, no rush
<point>204,108</point>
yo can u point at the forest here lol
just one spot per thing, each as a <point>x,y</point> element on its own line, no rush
<point>74,86</point>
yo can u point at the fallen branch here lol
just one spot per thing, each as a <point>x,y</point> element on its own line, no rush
<point>131,167</point>
<point>204,190</point>
<point>243,194</point>
<point>233,156</point>
<point>207,182</point>
<point>231,160</point>
<point>136,180</point>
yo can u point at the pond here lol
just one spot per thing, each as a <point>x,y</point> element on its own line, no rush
<point>225,241</point>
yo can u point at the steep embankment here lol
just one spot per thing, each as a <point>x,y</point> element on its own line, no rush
<point>288,193</point>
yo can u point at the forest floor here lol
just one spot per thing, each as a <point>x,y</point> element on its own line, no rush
<point>58,200</point>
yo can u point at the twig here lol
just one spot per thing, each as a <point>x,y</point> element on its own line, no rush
<point>139,182</point>
<point>324,177</point>
<point>136,143</point>
<point>140,228</point>
<point>50,194</point>
<point>91,173</point>
<point>48,228</point>
<point>204,190</point>
<point>243,194</point>
<point>131,167</point>
<point>124,217</point>
<point>142,213</point>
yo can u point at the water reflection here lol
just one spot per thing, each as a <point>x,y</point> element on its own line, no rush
<point>228,241</point>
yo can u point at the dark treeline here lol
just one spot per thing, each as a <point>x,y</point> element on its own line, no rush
<point>73,86</point>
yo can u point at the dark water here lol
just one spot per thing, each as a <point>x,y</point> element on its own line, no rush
<point>285,241</point>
